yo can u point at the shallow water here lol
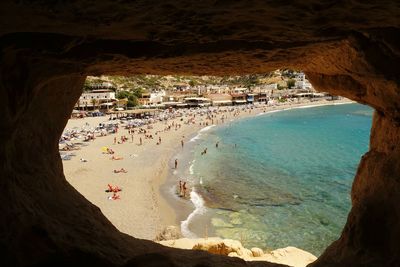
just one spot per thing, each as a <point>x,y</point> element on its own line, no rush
<point>278,179</point>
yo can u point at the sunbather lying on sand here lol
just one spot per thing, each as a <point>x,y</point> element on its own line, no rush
<point>69,147</point>
<point>114,197</point>
<point>120,170</point>
<point>116,158</point>
<point>114,189</point>
<point>110,151</point>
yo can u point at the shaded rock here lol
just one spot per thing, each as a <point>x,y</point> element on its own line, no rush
<point>221,246</point>
<point>290,256</point>
<point>247,253</point>
<point>169,233</point>
<point>257,252</point>
<point>233,254</point>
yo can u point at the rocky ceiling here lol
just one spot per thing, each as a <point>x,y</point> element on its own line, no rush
<point>351,48</point>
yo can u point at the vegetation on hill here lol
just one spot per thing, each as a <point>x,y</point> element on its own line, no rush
<point>142,83</point>
<point>132,96</point>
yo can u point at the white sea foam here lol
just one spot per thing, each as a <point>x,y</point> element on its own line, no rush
<point>198,203</point>
<point>195,138</point>
<point>325,104</point>
<point>201,131</point>
<point>303,107</point>
<point>206,128</point>
<point>344,103</point>
<point>271,111</point>
<point>191,169</point>
<point>311,106</point>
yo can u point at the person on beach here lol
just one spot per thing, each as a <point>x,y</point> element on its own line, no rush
<point>114,189</point>
<point>116,158</point>
<point>115,140</point>
<point>115,196</point>
<point>184,189</point>
<point>159,140</point>
<point>132,137</point>
<point>140,140</point>
<point>120,170</point>
<point>182,144</point>
<point>176,163</point>
<point>180,188</point>
<point>216,144</point>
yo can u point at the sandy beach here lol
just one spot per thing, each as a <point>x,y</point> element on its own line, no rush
<point>142,211</point>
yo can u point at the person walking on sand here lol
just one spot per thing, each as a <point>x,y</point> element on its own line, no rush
<point>182,143</point>
<point>132,137</point>
<point>115,140</point>
<point>184,189</point>
<point>140,140</point>
<point>159,140</point>
<point>180,188</point>
<point>216,144</point>
<point>176,163</point>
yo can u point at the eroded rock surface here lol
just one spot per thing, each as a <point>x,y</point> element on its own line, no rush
<point>233,248</point>
<point>351,48</point>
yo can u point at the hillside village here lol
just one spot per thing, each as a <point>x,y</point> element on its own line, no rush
<point>119,93</point>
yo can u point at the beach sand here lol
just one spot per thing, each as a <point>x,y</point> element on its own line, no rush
<point>142,211</point>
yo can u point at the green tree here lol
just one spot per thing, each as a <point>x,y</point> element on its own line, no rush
<point>132,96</point>
<point>132,101</point>
<point>290,83</point>
<point>138,92</point>
<point>249,80</point>
<point>123,94</point>
<point>94,102</point>
<point>192,83</point>
<point>86,86</point>
<point>280,87</point>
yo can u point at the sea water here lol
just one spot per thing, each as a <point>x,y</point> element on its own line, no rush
<point>279,179</point>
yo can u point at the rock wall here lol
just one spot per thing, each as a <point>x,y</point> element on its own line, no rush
<point>351,48</point>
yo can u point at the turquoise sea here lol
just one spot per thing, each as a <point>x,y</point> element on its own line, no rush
<point>279,179</point>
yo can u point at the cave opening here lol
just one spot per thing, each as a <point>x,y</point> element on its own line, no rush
<point>45,221</point>
<point>139,102</point>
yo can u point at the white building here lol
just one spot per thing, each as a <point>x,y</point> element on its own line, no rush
<point>302,82</point>
<point>102,98</point>
<point>239,90</point>
<point>152,98</point>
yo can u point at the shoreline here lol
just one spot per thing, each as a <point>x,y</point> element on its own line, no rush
<point>196,204</point>
<point>144,208</point>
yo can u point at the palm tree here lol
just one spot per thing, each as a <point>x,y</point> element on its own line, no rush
<point>94,103</point>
